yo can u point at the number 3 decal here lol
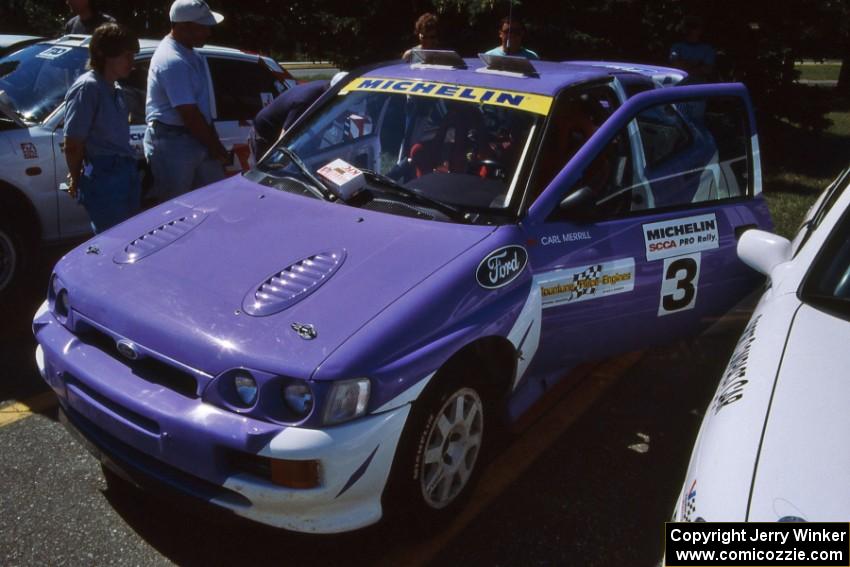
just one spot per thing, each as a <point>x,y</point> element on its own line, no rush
<point>680,283</point>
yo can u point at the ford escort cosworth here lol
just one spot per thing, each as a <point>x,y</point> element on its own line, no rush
<point>336,335</point>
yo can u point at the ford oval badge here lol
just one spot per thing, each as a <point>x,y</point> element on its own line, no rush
<point>127,349</point>
<point>501,266</point>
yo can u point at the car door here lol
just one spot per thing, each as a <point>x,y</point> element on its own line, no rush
<point>633,243</point>
<point>241,88</point>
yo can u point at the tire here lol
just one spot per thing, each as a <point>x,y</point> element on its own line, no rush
<point>16,256</point>
<point>440,456</point>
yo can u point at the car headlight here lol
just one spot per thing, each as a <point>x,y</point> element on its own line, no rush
<point>246,388</point>
<point>347,400</point>
<point>298,398</point>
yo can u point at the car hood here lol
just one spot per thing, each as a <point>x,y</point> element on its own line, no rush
<point>805,456</point>
<point>187,299</point>
<point>720,473</point>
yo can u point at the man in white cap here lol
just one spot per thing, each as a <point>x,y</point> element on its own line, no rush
<point>181,144</point>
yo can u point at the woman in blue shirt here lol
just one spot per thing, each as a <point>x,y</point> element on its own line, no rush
<point>101,164</point>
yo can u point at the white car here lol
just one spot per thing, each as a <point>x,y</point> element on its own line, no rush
<point>773,445</point>
<point>33,83</point>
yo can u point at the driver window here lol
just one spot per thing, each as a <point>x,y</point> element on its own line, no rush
<point>574,119</point>
<point>672,155</point>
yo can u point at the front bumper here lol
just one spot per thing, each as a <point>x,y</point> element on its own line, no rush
<point>145,430</point>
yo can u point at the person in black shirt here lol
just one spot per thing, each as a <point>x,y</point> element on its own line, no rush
<point>282,112</point>
<point>87,17</point>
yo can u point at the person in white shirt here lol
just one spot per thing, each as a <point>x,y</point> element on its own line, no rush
<point>181,143</point>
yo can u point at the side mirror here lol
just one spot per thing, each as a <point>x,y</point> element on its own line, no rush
<point>763,251</point>
<point>578,201</point>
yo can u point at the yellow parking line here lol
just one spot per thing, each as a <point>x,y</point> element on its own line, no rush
<point>19,410</point>
<point>512,463</point>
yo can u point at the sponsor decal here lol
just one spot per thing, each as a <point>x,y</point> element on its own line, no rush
<point>501,267</point>
<point>29,150</point>
<point>572,285</point>
<point>680,236</point>
<point>535,103</point>
<point>53,52</point>
<point>564,238</point>
<point>731,387</point>
<point>680,284</point>
<point>689,503</point>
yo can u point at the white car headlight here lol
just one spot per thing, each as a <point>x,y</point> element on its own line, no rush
<point>347,400</point>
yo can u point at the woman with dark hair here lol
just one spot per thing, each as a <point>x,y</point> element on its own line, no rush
<point>427,32</point>
<point>101,163</point>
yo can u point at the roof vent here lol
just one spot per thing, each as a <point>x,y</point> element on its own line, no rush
<point>292,284</point>
<point>158,238</point>
<point>507,65</point>
<point>436,59</point>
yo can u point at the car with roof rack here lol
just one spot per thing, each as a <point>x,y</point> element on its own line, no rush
<point>339,334</point>
<point>33,83</point>
<point>772,440</point>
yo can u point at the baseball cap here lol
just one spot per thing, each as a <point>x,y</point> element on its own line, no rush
<point>193,11</point>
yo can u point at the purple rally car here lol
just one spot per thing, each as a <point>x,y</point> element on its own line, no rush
<point>334,336</point>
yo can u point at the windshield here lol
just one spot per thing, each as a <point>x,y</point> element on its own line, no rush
<point>35,79</point>
<point>827,286</point>
<point>453,150</point>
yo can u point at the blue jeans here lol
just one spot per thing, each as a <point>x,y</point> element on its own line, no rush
<point>110,192</point>
<point>179,163</point>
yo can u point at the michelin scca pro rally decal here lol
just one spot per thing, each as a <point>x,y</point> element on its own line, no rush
<point>501,266</point>
<point>572,285</point>
<point>680,236</point>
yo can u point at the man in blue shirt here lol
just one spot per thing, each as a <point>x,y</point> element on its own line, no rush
<point>511,33</point>
<point>181,143</point>
<point>87,17</point>
<point>101,165</point>
<point>693,55</point>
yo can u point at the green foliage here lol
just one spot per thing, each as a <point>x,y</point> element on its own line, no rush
<point>757,41</point>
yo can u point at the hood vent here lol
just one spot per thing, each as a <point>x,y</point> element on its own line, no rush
<point>158,238</point>
<point>292,284</point>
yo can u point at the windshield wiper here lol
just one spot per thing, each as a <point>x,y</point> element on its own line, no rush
<point>387,181</point>
<point>321,190</point>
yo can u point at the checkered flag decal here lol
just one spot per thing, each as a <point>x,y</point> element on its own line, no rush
<point>590,273</point>
<point>690,503</point>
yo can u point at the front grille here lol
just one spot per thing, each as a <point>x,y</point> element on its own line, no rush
<point>148,368</point>
<point>141,421</point>
<point>145,469</point>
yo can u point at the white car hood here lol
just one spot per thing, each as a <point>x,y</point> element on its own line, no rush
<point>804,466</point>
<point>717,486</point>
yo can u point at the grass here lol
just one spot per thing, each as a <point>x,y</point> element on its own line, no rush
<point>819,71</point>
<point>798,164</point>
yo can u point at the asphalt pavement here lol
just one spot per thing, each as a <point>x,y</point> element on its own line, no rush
<point>587,482</point>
